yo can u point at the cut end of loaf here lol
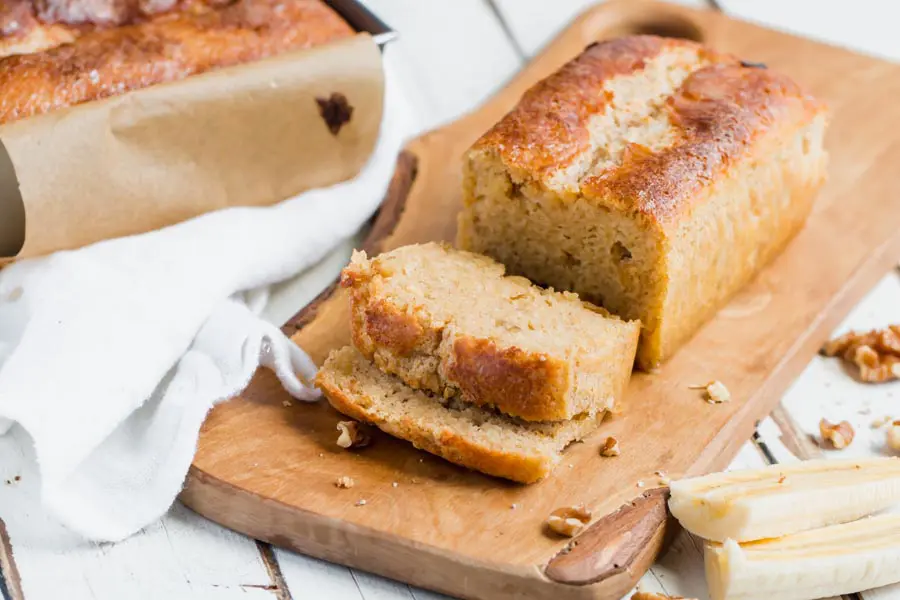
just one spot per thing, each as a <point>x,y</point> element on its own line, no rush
<point>450,322</point>
<point>469,436</point>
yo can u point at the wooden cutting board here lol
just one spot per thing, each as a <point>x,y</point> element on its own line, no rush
<point>269,470</point>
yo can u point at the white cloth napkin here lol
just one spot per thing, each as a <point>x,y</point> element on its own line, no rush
<point>112,355</point>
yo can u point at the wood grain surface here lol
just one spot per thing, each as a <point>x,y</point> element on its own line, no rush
<point>268,470</point>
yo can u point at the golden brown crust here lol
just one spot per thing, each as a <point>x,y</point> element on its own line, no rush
<point>718,112</point>
<point>391,329</point>
<point>548,128</point>
<point>107,62</point>
<point>449,446</point>
<point>525,384</point>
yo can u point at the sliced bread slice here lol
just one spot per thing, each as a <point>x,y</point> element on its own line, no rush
<point>473,437</point>
<point>450,322</point>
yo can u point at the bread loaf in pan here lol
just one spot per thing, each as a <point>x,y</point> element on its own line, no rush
<point>652,176</point>
<point>92,63</point>
<point>449,322</point>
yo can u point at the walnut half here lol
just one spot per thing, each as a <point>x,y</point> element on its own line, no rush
<point>610,447</point>
<point>353,435</point>
<point>839,435</point>
<point>893,436</point>
<point>569,521</point>
<point>875,353</point>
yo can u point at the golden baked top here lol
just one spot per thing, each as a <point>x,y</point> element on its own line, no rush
<point>641,122</point>
<point>101,62</point>
<point>28,26</point>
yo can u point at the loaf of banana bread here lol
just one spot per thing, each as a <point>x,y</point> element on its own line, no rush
<point>451,323</point>
<point>52,65</point>
<point>651,176</point>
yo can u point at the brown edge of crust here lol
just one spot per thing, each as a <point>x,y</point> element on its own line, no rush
<point>524,384</point>
<point>449,446</point>
<point>10,581</point>
<point>618,543</point>
<point>383,225</point>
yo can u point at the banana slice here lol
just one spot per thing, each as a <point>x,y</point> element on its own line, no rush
<point>784,499</point>
<point>835,560</point>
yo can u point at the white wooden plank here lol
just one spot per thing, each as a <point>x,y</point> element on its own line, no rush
<point>309,578</point>
<point>450,55</point>
<point>863,25</point>
<point>374,587</point>
<point>827,390</point>
<point>182,556</point>
<point>535,22</point>
<point>771,434</point>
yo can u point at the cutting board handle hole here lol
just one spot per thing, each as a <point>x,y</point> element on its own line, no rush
<point>654,22</point>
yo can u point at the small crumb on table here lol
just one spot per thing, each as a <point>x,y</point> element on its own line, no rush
<point>344,482</point>
<point>610,447</point>
<point>716,392</point>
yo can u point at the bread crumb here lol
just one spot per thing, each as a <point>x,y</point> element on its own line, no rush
<point>394,484</point>
<point>287,403</point>
<point>878,423</point>
<point>345,483</point>
<point>321,454</point>
<point>716,392</point>
<point>837,435</point>
<point>893,436</point>
<point>610,447</point>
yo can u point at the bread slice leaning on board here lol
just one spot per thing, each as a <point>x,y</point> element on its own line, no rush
<point>451,323</point>
<point>487,371</point>
<point>464,434</point>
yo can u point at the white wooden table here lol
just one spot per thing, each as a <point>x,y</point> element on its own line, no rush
<point>452,54</point>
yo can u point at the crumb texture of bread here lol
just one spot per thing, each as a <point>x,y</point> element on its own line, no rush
<point>102,62</point>
<point>450,322</point>
<point>461,433</point>
<point>652,176</point>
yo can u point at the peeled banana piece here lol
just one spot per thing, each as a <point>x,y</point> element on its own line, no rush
<point>784,499</point>
<point>835,560</point>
